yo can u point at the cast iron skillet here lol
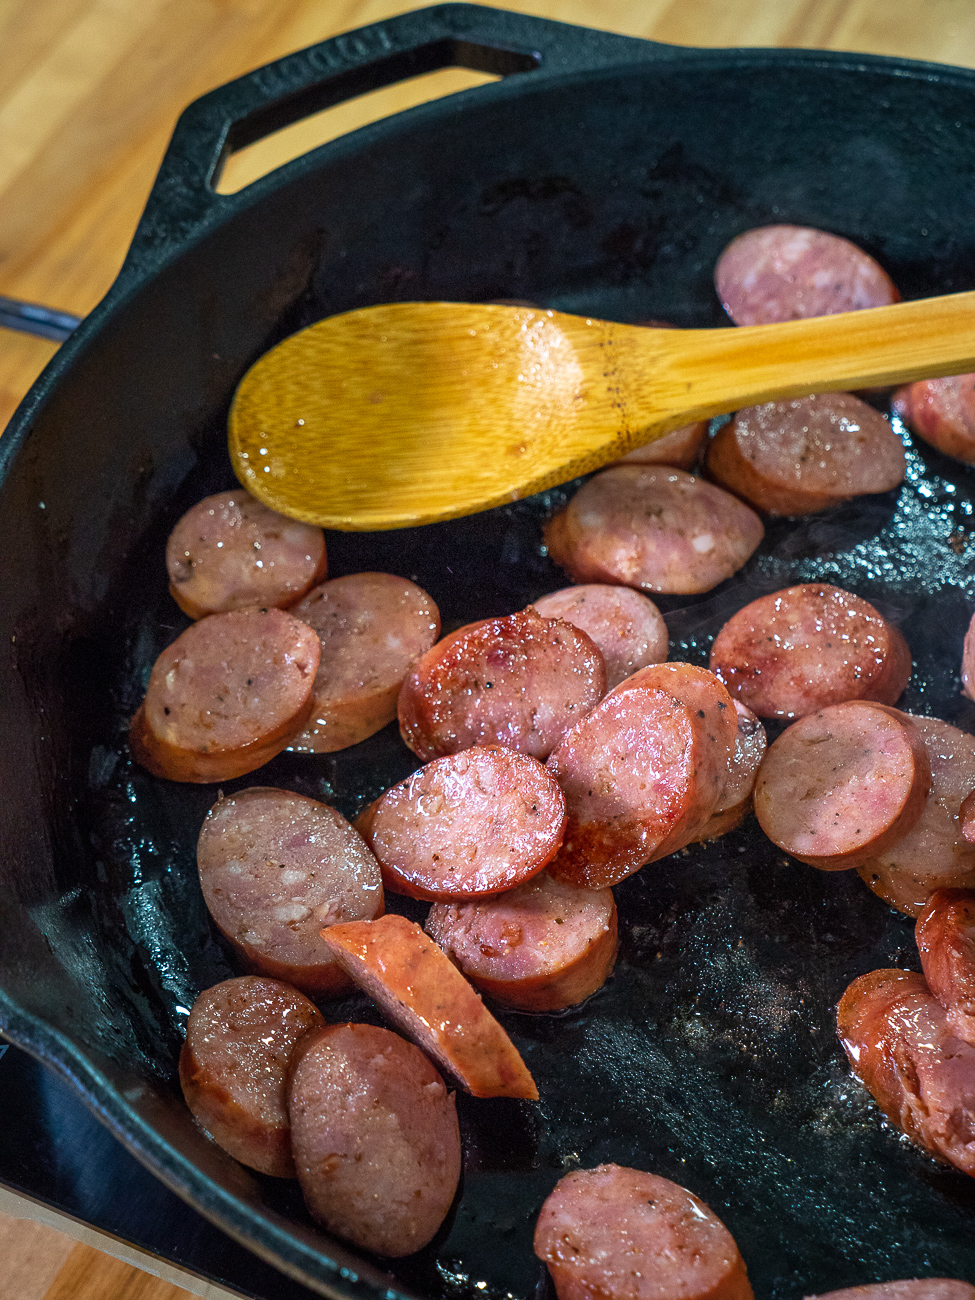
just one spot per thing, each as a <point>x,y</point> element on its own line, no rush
<point>601,175</point>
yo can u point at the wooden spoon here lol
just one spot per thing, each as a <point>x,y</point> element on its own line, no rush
<point>411,412</point>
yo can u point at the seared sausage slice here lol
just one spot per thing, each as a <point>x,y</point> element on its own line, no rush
<point>900,1045</point>
<point>226,696</point>
<point>935,854</point>
<point>466,826</point>
<point>622,1234</point>
<point>777,273</point>
<point>917,1288</point>
<point>375,1136</point>
<point>276,867</point>
<point>679,449</point>
<point>841,785</point>
<point>803,455</point>
<point>804,648</point>
<point>234,1065</point>
<point>625,626</point>
<point>945,934</point>
<point>942,412</point>
<point>541,947</point>
<point>230,552</point>
<point>373,627</point>
<point>655,528</point>
<point>425,995</point>
<point>518,681</point>
<point>743,766</point>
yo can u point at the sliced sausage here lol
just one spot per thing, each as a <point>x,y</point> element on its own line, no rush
<point>467,826</point>
<point>375,1136</point>
<point>841,785</point>
<point>945,934</point>
<point>226,696</point>
<point>807,647</point>
<point>899,1044</point>
<point>373,627</point>
<point>276,867</point>
<point>425,995</point>
<point>622,1234</point>
<point>230,552</point>
<point>942,412</point>
<point>234,1065</point>
<point>518,681</point>
<point>541,947</point>
<point>968,662</point>
<point>923,1288</point>
<point>627,628</point>
<point>801,456</point>
<point>743,765</point>
<point>935,854</point>
<point>655,528</point>
<point>966,817</point>
<point>680,448</point>
<point>778,273</point>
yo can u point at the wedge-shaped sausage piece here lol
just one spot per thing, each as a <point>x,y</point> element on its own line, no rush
<point>626,627</point>
<point>277,867</point>
<point>466,826</point>
<point>801,456</point>
<point>226,696</point>
<point>917,1288</point>
<point>425,995</point>
<point>900,1045</point>
<point>231,552</point>
<point>622,1234</point>
<point>679,449</point>
<point>234,1065</point>
<point>942,412</point>
<point>801,649</point>
<point>519,681</point>
<point>743,765</point>
<point>540,947</point>
<point>843,784</point>
<point>375,1137</point>
<point>655,528</point>
<point>934,854</point>
<point>945,934</point>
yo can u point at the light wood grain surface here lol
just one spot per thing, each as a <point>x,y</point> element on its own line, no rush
<point>89,93</point>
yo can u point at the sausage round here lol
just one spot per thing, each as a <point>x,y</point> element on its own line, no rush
<point>801,456</point>
<point>968,662</point>
<point>807,647</point>
<point>276,867</point>
<point>680,448</point>
<point>226,696</point>
<point>942,412</point>
<point>782,272</point>
<point>626,627</point>
<point>843,784</point>
<point>922,1288</point>
<point>229,552</point>
<point>234,1065</point>
<point>743,765</point>
<point>899,1044</point>
<point>541,947</point>
<point>966,817</point>
<point>934,854</point>
<point>622,1234</point>
<point>375,1137</point>
<point>655,528</point>
<point>945,934</point>
<point>372,627</point>
<point>518,681</point>
<point>467,826</point>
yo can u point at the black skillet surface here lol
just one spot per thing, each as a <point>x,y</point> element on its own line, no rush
<point>603,175</point>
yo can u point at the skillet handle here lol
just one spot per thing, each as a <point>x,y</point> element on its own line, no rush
<point>183,204</point>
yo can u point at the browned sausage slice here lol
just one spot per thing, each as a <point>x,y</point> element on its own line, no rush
<point>518,681</point>
<point>622,1234</point>
<point>919,1288</point>
<point>226,696</point>
<point>968,662</point>
<point>540,947</point>
<point>375,1135</point>
<point>230,552</point>
<point>841,785</point>
<point>679,449</point>
<point>803,455</point>
<point>426,996</point>
<point>233,1069</point>
<point>626,627</point>
<point>945,934</point>
<point>942,412</point>
<point>373,627</point>
<point>466,826</point>
<point>777,273</point>
<point>655,528</point>
<point>898,1041</point>
<point>743,765</point>
<point>966,817</point>
<point>276,867</point>
<point>807,647</point>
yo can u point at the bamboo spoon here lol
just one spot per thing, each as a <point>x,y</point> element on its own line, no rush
<point>411,412</point>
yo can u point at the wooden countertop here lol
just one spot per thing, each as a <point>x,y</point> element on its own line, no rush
<point>89,93</point>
